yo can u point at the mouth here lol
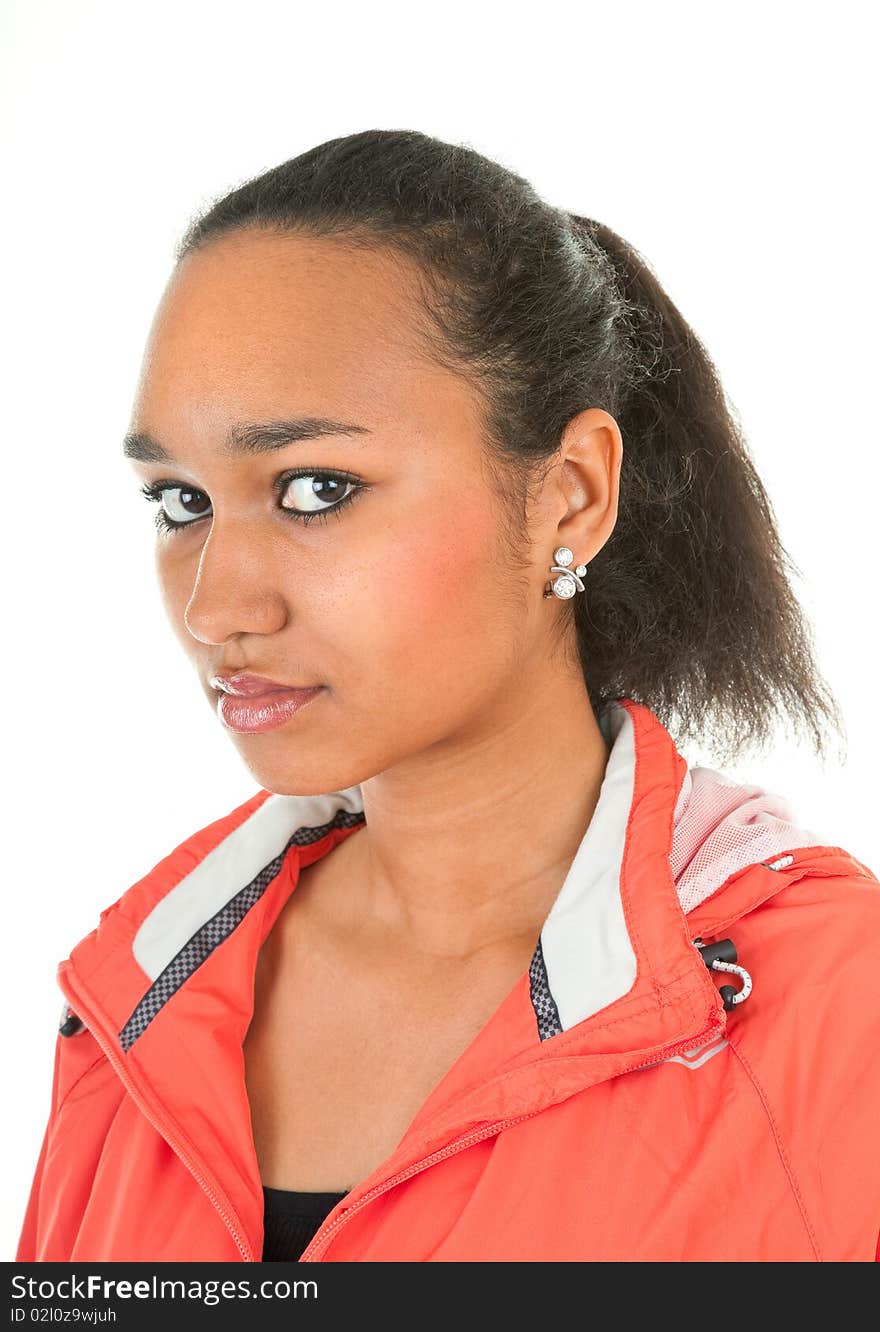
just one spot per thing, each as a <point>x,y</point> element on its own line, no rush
<point>246,685</point>
<point>266,711</point>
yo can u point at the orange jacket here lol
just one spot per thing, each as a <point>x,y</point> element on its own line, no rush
<point>612,1108</point>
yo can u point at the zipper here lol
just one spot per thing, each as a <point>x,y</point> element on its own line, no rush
<point>160,1125</point>
<point>321,1240</point>
<point>716,1029</point>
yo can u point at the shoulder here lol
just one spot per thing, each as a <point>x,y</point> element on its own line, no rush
<point>138,899</point>
<point>820,927</point>
<point>807,1040</point>
<point>105,960</point>
<point>810,1028</point>
<point>809,937</point>
<point>813,942</point>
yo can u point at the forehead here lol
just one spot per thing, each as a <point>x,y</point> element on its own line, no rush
<point>258,319</point>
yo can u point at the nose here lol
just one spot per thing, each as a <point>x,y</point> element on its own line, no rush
<point>235,589</point>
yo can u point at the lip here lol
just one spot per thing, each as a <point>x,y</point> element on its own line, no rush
<point>245,685</point>
<point>264,711</point>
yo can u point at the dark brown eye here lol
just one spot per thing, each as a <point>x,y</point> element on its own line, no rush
<point>182,505</point>
<point>314,492</point>
<point>187,508</point>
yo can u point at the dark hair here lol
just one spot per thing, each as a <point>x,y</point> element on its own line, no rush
<point>687,607</point>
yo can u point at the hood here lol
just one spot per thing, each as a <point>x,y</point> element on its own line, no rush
<point>672,853</point>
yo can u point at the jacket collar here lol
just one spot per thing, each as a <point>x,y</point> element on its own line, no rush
<point>224,886</point>
<point>165,982</point>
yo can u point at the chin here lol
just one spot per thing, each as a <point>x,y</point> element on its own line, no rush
<point>304,778</point>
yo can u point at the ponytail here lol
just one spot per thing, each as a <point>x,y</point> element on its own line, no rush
<point>689,605</point>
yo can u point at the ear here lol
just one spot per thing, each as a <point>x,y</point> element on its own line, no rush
<point>588,481</point>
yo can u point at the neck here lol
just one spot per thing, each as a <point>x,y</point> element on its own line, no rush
<point>467,844</point>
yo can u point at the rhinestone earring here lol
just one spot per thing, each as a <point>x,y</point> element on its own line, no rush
<point>569,580</point>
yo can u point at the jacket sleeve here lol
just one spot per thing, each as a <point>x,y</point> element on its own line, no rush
<point>28,1244</point>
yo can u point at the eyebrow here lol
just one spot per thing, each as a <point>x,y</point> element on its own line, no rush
<point>249,438</point>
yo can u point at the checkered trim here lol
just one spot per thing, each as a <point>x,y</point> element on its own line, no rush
<point>543,1002</point>
<point>219,927</point>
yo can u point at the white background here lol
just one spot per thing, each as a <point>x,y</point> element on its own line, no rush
<point>733,145</point>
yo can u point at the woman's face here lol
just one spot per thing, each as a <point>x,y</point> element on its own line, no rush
<point>401,602</point>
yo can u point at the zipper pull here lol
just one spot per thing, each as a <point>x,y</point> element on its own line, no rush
<point>721,956</point>
<point>70,1023</point>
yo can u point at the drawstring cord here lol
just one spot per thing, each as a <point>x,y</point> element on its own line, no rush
<point>721,956</point>
<point>742,995</point>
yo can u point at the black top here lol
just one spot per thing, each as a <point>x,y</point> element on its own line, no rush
<point>290,1219</point>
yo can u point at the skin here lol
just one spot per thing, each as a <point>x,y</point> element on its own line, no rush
<point>446,699</point>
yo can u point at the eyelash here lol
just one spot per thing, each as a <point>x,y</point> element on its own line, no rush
<point>153,492</point>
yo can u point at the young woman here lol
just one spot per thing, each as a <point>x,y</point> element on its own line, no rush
<point>457,529</point>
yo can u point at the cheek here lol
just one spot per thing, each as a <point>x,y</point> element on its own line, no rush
<point>434,571</point>
<point>429,597</point>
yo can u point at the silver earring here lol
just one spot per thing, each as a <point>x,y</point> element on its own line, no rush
<point>569,580</point>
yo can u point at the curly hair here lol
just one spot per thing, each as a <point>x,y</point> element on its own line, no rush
<point>687,607</point>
